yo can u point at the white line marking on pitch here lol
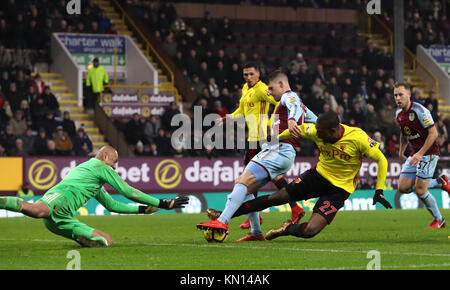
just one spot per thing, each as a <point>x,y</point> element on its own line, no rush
<point>252,247</point>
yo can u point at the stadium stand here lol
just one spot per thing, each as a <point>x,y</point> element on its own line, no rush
<point>331,64</point>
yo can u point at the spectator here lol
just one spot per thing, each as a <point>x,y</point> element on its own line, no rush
<point>163,143</point>
<point>5,55</point>
<point>369,57</point>
<point>25,190</point>
<point>63,144</point>
<point>330,100</point>
<point>139,149</point>
<point>234,78</point>
<point>168,115</point>
<point>49,123</point>
<point>68,124</point>
<point>380,139</point>
<point>393,146</point>
<point>297,62</point>
<point>40,142</point>
<point>8,141</point>
<point>151,129</point>
<point>192,62</point>
<point>219,109</point>
<point>197,84</point>
<point>28,142</point>
<point>387,118</point>
<point>38,84</point>
<point>38,113</point>
<point>170,45</point>
<point>96,78</point>
<point>357,114</point>
<point>2,151</point>
<point>31,96</point>
<point>443,133</point>
<point>227,100</point>
<point>318,87</point>
<point>213,88</point>
<point>153,150</point>
<point>50,101</point>
<point>51,149</point>
<point>79,140</point>
<point>18,124</point>
<point>134,130</point>
<point>18,149</point>
<point>14,97</point>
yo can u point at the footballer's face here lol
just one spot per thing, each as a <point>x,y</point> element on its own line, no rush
<point>275,89</point>
<point>402,97</point>
<point>327,135</point>
<point>251,76</point>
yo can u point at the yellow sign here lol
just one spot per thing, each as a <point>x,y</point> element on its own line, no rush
<point>42,174</point>
<point>11,172</point>
<point>162,171</point>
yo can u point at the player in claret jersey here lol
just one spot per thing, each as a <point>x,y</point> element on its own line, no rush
<point>273,160</point>
<point>254,107</point>
<point>417,129</point>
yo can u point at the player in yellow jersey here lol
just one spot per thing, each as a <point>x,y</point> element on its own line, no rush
<point>333,180</point>
<point>254,107</point>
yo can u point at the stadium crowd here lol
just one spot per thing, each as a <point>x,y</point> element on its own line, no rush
<point>30,119</point>
<point>31,122</point>
<point>361,93</point>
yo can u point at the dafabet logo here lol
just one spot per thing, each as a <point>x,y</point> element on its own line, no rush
<point>73,7</point>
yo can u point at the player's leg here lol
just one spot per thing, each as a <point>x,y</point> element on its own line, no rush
<point>425,171</point>
<point>71,228</point>
<point>34,210</point>
<point>307,230</point>
<point>297,212</point>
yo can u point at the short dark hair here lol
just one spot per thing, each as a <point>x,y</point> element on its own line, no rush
<point>252,64</point>
<point>329,120</point>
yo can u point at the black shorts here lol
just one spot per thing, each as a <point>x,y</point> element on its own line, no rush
<point>250,153</point>
<point>310,185</point>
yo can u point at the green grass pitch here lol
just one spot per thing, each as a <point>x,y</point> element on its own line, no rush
<point>172,242</point>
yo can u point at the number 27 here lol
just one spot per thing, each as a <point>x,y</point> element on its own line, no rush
<point>326,204</point>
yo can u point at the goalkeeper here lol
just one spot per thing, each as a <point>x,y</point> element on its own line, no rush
<point>59,204</point>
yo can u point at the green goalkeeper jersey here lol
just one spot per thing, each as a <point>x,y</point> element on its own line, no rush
<point>86,181</point>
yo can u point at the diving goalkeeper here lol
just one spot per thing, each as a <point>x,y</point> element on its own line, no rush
<point>60,203</point>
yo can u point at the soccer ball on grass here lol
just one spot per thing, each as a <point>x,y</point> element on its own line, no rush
<point>215,236</point>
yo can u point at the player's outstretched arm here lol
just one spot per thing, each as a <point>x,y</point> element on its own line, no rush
<point>115,206</point>
<point>376,155</point>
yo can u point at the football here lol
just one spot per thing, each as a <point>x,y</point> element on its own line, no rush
<point>214,236</point>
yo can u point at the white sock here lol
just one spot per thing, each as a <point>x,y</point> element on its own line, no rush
<point>431,204</point>
<point>235,200</point>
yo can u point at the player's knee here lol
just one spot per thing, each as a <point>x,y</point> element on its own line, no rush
<point>404,188</point>
<point>310,231</point>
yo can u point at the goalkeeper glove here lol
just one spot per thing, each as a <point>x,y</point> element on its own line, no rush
<point>177,202</point>
<point>148,209</point>
<point>379,197</point>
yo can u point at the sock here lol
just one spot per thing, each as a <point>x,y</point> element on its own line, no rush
<point>253,218</point>
<point>256,204</point>
<point>11,203</point>
<point>297,230</point>
<point>234,201</point>
<point>430,202</point>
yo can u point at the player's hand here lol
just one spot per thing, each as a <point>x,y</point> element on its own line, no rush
<point>148,209</point>
<point>177,202</point>
<point>379,197</point>
<point>415,159</point>
<point>293,129</point>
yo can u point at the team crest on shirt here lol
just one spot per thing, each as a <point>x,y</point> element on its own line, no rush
<point>411,116</point>
<point>343,147</point>
<point>291,99</point>
<point>298,180</point>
